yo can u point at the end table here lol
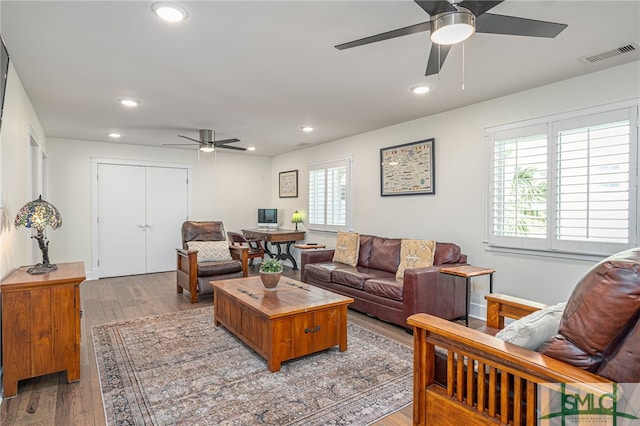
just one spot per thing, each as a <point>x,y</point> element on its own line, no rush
<point>467,272</point>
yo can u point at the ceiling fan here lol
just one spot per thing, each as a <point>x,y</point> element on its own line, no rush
<point>453,23</point>
<point>208,142</point>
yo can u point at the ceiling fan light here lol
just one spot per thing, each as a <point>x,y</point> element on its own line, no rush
<point>207,148</point>
<point>452,28</point>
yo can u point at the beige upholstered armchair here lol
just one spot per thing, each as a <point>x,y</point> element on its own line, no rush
<point>207,256</point>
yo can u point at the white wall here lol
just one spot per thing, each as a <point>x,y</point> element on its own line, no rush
<point>18,121</point>
<point>456,213</point>
<point>227,187</point>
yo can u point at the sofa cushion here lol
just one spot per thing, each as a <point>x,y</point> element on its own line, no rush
<point>210,251</point>
<point>219,267</point>
<point>601,311</point>
<point>391,288</point>
<point>534,329</point>
<point>365,250</point>
<point>347,248</point>
<point>415,254</point>
<point>321,271</point>
<point>356,277</point>
<point>446,253</point>
<point>385,254</point>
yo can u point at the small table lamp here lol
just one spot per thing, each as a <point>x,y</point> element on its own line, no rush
<point>38,214</point>
<point>297,218</point>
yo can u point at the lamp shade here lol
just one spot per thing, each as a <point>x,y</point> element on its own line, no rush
<point>37,214</point>
<point>296,218</point>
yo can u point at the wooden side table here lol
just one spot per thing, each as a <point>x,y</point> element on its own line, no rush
<point>467,272</point>
<point>309,246</point>
<point>41,324</point>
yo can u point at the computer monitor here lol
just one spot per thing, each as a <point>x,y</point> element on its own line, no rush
<point>267,218</point>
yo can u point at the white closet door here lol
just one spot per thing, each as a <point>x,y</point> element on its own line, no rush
<point>167,205</point>
<point>121,220</point>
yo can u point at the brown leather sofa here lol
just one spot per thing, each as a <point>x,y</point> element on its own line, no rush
<point>597,345</point>
<point>376,290</point>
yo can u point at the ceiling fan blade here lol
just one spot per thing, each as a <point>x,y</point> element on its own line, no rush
<point>432,65</point>
<point>412,29</point>
<point>191,139</point>
<point>217,143</point>
<point>237,148</point>
<point>177,144</point>
<point>435,7</point>
<point>511,25</point>
<point>479,7</point>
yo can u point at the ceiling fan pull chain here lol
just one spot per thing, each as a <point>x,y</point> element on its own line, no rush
<point>462,65</point>
<point>438,62</point>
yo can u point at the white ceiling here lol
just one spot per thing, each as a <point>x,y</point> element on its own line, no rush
<point>259,70</point>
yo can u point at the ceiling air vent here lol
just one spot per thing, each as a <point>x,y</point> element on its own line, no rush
<point>631,48</point>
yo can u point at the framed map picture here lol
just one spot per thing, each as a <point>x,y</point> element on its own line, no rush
<point>408,169</point>
<point>289,184</point>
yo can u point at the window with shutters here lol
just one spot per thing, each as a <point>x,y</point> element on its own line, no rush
<point>330,195</point>
<point>567,183</point>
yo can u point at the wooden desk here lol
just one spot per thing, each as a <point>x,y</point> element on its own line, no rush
<point>277,237</point>
<point>41,324</point>
<point>467,272</point>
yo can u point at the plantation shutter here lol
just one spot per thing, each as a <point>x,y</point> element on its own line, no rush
<point>519,185</point>
<point>593,180</point>
<point>329,195</point>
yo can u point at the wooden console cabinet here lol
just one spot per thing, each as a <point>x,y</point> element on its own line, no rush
<point>41,324</point>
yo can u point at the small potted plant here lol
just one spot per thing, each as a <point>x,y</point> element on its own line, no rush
<point>270,272</point>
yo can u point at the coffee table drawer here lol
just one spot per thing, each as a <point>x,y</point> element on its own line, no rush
<point>314,331</point>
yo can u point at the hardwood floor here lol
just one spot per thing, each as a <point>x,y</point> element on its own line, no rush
<point>49,400</point>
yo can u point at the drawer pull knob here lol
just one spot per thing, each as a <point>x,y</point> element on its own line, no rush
<point>312,330</point>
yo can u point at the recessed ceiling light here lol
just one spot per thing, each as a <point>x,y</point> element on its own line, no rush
<point>115,135</point>
<point>307,129</point>
<point>420,89</point>
<point>128,102</point>
<point>251,148</point>
<point>169,11</point>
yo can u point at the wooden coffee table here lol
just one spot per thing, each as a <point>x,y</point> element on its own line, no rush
<point>294,320</point>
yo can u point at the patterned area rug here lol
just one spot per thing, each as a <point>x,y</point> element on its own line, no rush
<point>181,369</point>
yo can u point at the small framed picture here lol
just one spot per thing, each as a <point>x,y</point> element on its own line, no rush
<point>289,184</point>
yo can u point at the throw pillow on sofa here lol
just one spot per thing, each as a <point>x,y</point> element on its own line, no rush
<point>534,329</point>
<point>347,248</point>
<point>415,254</point>
<point>210,251</point>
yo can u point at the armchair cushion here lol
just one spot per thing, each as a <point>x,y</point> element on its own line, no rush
<point>534,329</point>
<point>600,315</point>
<point>210,251</point>
<point>219,267</point>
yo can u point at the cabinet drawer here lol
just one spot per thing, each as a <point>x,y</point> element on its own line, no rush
<point>315,331</point>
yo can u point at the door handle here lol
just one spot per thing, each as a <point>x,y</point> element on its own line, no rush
<point>312,330</point>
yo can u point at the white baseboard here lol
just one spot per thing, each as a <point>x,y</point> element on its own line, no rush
<point>478,311</point>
